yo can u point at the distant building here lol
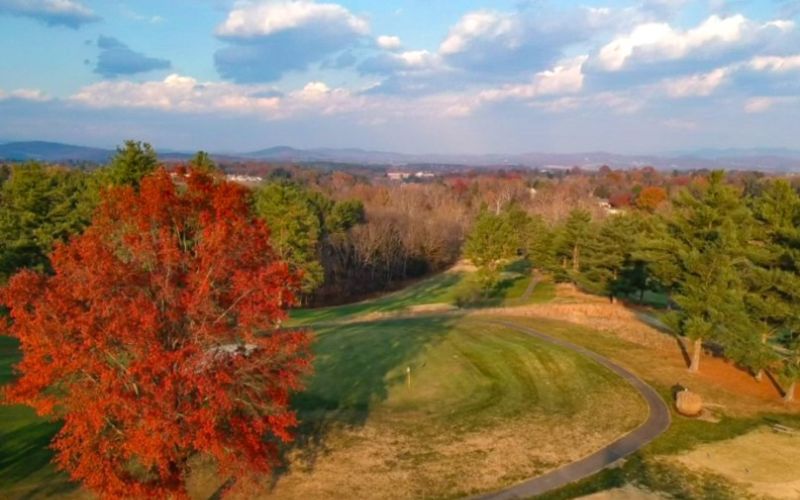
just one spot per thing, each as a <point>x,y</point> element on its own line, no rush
<point>398,176</point>
<point>244,179</point>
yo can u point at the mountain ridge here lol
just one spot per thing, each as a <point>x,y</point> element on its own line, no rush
<point>771,159</point>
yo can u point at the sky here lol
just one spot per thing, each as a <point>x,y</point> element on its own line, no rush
<point>416,76</point>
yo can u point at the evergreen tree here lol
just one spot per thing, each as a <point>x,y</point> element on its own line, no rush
<point>540,242</point>
<point>572,239</point>
<point>38,207</point>
<point>493,239</point>
<point>707,237</point>
<point>295,225</point>
<point>202,161</point>
<point>774,274</point>
<point>133,161</point>
<point>608,261</point>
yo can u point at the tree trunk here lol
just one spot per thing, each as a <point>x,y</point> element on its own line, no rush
<point>760,374</point>
<point>576,258</point>
<point>789,396</point>
<point>697,350</point>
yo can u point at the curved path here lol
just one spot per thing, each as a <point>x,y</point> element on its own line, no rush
<point>656,423</point>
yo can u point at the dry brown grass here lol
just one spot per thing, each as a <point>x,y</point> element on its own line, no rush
<point>378,462</point>
<point>625,493</point>
<point>765,462</point>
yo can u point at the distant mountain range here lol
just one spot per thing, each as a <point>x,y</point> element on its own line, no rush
<point>736,159</point>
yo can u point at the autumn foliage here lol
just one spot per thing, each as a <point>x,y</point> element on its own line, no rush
<point>155,339</point>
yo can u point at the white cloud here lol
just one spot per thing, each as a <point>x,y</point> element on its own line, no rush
<point>52,12</point>
<point>775,64</point>
<point>267,39</point>
<point>474,25</point>
<point>34,95</point>
<point>388,42</point>
<point>258,19</point>
<point>565,78</point>
<point>660,41</point>
<point>702,84</point>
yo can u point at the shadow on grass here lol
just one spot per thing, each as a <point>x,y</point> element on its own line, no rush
<point>25,455</point>
<point>355,367</point>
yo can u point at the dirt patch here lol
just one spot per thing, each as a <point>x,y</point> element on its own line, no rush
<point>430,308</point>
<point>766,462</point>
<point>625,493</point>
<point>463,266</point>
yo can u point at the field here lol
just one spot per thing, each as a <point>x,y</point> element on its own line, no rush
<point>407,402</point>
<point>485,407</point>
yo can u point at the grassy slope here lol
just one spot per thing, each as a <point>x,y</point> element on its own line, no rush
<point>741,414</point>
<point>24,457</point>
<point>470,381</point>
<point>440,289</point>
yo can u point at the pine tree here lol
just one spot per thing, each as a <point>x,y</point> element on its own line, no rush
<point>296,227</point>
<point>571,240</point>
<point>133,161</point>
<point>773,276</point>
<point>609,264</point>
<point>703,253</point>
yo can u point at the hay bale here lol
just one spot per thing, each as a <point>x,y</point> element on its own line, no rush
<point>689,403</point>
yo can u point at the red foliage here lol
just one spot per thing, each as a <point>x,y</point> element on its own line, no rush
<point>155,340</point>
<point>620,200</point>
<point>651,197</point>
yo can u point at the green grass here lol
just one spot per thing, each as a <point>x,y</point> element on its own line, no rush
<point>463,371</point>
<point>468,379</point>
<point>437,289</point>
<point>443,288</point>
<point>25,469</point>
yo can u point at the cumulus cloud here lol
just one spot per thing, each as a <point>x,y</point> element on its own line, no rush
<point>185,94</point>
<point>510,43</point>
<point>388,42</point>
<point>564,78</point>
<point>401,63</point>
<point>656,42</point>
<point>117,59</point>
<point>69,13</point>
<point>267,39</point>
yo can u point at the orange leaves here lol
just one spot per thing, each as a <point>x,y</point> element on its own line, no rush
<point>154,338</point>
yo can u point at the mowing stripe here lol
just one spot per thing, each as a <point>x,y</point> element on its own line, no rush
<point>658,421</point>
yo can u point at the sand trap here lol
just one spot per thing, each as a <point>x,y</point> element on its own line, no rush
<point>766,462</point>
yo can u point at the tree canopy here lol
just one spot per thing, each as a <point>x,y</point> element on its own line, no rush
<point>155,339</point>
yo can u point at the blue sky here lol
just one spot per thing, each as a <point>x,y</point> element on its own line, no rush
<point>415,76</point>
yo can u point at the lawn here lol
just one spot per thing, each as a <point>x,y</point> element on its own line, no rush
<point>25,469</point>
<point>444,289</point>
<point>485,407</point>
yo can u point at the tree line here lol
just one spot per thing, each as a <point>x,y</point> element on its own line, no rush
<point>724,258</point>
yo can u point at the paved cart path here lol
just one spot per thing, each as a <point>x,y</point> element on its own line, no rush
<point>656,423</point>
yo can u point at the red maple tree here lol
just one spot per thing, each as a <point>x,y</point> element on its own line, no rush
<point>155,339</point>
